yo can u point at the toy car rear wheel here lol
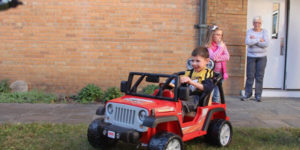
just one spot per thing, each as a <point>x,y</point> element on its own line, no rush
<point>96,138</point>
<point>165,141</point>
<point>220,132</point>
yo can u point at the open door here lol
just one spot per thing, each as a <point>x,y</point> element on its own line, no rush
<point>273,14</point>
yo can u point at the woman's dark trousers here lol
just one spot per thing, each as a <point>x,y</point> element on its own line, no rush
<point>255,69</point>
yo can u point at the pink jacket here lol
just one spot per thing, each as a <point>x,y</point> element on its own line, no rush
<point>219,55</point>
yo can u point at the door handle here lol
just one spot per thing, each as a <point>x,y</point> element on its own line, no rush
<point>282,46</point>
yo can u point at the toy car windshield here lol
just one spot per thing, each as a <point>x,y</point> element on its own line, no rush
<point>162,84</point>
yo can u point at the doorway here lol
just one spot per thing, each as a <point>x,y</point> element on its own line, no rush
<point>273,13</point>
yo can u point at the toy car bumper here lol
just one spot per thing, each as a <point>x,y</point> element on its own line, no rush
<point>119,133</point>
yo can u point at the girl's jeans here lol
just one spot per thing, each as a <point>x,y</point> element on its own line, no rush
<point>216,94</point>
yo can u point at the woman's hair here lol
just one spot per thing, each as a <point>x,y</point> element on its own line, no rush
<point>201,51</point>
<point>208,43</point>
<point>257,18</point>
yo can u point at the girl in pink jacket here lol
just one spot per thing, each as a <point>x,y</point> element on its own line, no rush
<point>219,54</point>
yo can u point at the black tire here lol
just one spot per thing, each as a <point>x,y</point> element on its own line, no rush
<point>161,141</point>
<point>96,137</point>
<point>215,135</point>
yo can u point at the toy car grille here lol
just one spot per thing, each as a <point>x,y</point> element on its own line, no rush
<point>124,115</point>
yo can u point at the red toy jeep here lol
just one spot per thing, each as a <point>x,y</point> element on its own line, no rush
<point>161,120</point>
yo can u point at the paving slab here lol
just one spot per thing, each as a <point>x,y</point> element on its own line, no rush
<point>47,113</point>
<point>270,113</point>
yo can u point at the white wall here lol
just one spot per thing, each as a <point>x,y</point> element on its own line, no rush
<point>293,51</point>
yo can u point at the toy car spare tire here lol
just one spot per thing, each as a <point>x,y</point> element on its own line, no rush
<point>220,132</point>
<point>165,141</point>
<point>96,137</point>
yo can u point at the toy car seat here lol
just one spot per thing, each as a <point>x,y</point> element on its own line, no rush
<point>204,97</point>
<point>166,93</point>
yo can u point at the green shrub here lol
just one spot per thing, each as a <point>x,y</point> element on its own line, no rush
<point>112,93</point>
<point>149,89</point>
<point>33,96</point>
<point>4,86</point>
<point>90,93</point>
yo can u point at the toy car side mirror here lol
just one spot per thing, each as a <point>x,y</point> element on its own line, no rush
<point>124,86</point>
<point>184,93</point>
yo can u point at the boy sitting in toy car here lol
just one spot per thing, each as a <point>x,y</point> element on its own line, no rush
<point>199,78</point>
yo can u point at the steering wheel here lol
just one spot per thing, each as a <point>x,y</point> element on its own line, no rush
<point>164,86</point>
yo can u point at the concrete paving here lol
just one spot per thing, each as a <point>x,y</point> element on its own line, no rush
<point>270,113</point>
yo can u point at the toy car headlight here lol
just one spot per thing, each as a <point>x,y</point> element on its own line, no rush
<point>110,108</point>
<point>142,115</point>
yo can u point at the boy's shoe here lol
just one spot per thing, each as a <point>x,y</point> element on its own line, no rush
<point>245,97</point>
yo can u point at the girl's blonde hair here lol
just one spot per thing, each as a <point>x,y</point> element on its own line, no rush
<point>209,41</point>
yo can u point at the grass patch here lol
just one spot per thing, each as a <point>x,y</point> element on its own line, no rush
<point>33,96</point>
<point>89,95</point>
<point>255,139</point>
<point>43,136</point>
<point>36,136</point>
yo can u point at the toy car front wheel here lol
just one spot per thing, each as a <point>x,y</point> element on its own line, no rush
<point>220,132</point>
<point>165,141</point>
<point>96,137</point>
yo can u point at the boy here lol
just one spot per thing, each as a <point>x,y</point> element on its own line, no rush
<point>199,78</point>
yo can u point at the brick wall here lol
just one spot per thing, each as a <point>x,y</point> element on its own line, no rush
<point>60,46</point>
<point>231,16</point>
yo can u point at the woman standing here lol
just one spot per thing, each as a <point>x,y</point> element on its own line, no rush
<point>219,54</point>
<point>257,41</point>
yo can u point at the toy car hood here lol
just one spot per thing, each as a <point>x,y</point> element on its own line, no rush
<point>147,103</point>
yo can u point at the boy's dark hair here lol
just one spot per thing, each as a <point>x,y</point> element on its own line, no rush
<point>201,51</point>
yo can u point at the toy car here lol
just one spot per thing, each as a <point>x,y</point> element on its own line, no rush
<point>159,120</point>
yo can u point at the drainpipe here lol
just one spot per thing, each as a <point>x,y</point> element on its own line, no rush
<point>202,22</point>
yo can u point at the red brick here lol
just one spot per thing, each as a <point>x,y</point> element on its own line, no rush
<point>60,46</point>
